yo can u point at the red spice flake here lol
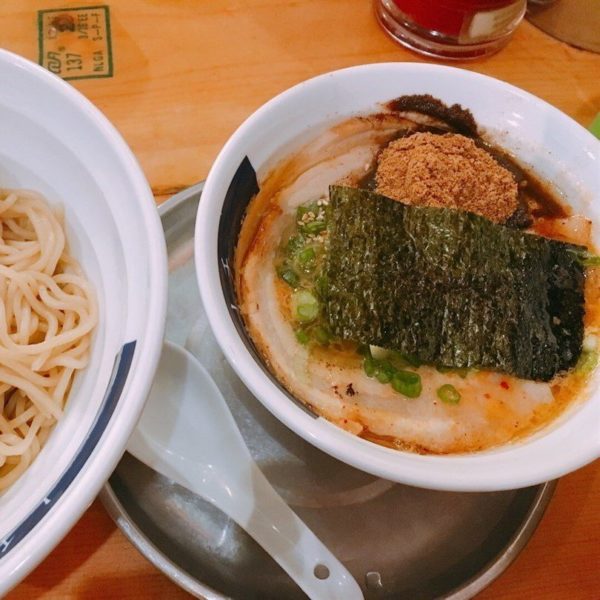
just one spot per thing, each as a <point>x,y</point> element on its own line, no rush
<point>504,385</point>
<point>350,390</point>
<point>486,395</point>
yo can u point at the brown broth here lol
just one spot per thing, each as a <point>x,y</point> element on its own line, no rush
<point>540,202</point>
<point>536,198</point>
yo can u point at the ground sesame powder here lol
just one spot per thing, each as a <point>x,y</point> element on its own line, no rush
<point>447,171</point>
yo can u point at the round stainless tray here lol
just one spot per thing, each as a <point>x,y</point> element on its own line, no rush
<point>398,541</point>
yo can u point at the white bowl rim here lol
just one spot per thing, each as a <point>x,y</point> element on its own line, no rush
<point>485,471</point>
<point>44,533</point>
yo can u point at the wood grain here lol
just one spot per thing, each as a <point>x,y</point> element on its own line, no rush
<point>186,74</point>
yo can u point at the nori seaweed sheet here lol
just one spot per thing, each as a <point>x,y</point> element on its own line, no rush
<point>452,288</point>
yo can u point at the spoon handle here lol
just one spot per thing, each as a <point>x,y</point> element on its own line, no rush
<point>275,526</point>
<point>249,499</point>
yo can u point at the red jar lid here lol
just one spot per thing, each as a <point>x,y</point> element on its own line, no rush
<point>447,16</point>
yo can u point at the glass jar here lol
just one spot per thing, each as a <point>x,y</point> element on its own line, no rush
<point>455,29</point>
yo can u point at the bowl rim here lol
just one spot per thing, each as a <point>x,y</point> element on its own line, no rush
<point>484,471</point>
<point>45,532</point>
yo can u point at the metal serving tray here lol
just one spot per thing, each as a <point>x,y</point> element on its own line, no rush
<point>398,541</point>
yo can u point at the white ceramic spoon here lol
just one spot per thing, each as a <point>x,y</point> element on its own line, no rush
<point>188,434</point>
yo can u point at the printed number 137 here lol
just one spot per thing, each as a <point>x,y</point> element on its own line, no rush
<point>74,62</point>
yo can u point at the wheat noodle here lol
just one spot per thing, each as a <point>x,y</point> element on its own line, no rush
<point>47,314</point>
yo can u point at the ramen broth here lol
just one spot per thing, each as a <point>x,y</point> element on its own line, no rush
<point>494,408</point>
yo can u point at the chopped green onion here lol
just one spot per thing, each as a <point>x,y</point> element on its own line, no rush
<point>590,260</point>
<point>313,227</point>
<point>449,394</point>
<point>302,336</point>
<point>304,297</point>
<point>461,372</point>
<point>388,367</point>
<point>307,256</point>
<point>587,258</point>
<point>307,312</point>
<point>304,209</point>
<point>384,370</point>
<point>590,342</point>
<point>307,306</point>
<point>294,244</point>
<point>288,275</point>
<point>369,366</point>
<point>321,335</point>
<point>407,383</point>
<point>587,362</point>
<point>321,287</point>
<point>413,361</point>
<point>383,376</point>
<point>595,126</point>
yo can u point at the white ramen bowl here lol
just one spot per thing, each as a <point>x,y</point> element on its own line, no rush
<point>55,141</point>
<point>559,150</point>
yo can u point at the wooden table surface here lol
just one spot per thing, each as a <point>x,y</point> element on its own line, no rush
<point>185,74</point>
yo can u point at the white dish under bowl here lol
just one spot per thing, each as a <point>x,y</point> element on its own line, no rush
<point>56,142</point>
<point>557,148</point>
